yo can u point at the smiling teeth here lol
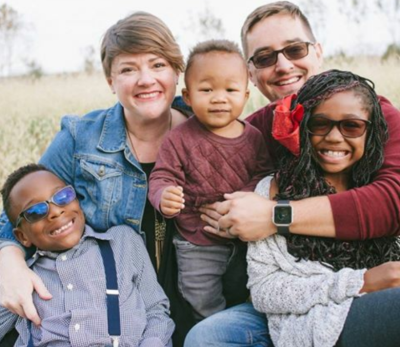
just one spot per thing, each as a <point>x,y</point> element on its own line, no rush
<point>148,96</point>
<point>60,230</point>
<point>335,154</point>
<point>292,80</point>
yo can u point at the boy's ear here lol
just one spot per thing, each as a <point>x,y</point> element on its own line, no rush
<point>185,96</point>
<point>21,237</point>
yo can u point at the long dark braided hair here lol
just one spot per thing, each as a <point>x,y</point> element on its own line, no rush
<point>301,177</point>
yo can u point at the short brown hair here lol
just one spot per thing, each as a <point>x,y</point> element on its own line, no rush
<point>223,46</point>
<point>269,10</point>
<point>141,32</point>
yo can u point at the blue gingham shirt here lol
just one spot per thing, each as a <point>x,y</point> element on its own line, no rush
<point>77,313</point>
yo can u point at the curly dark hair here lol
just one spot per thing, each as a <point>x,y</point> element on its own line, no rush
<point>301,177</point>
<point>12,180</point>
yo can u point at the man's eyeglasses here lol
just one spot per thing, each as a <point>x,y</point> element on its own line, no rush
<point>40,210</point>
<point>352,128</point>
<point>265,57</point>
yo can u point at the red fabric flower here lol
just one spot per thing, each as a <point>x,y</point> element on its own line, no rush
<point>286,124</point>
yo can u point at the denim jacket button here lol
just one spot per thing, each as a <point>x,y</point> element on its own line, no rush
<point>102,171</point>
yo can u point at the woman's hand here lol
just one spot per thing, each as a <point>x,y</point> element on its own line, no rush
<point>17,284</point>
<point>382,277</point>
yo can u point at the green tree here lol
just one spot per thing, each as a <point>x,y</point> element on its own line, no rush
<point>391,9</point>
<point>210,26</point>
<point>356,9</point>
<point>35,71</point>
<point>315,11</point>
<point>89,62</point>
<point>10,28</point>
<point>205,25</point>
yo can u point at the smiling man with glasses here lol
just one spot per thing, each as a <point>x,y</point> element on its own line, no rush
<point>265,57</point>
<point>280,63</point>
<point>282,54</point>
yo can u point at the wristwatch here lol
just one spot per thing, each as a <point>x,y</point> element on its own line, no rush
<point>282,216</point>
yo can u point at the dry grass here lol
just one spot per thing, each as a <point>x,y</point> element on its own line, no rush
<point>31,111</point>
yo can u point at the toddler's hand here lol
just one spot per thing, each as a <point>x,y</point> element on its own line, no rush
<point>172,201</point>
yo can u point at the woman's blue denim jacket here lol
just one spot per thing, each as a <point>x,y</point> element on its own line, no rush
<point>91,154</point>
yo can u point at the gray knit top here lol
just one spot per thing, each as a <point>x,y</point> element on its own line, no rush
<point>306,303</point>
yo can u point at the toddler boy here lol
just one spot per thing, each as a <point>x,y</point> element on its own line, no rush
<point>211,154</point>
<point>105,291</point>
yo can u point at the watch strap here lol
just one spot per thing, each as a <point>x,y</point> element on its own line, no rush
<point>284,231</point>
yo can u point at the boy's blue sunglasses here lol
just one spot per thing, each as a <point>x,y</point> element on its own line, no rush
<point>40,210</point>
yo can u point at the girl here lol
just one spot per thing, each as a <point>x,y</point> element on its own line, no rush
<point>333,133</point>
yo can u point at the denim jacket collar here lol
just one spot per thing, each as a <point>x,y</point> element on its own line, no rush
<point>113,134</point>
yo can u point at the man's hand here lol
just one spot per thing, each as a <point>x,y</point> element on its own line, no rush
<point>172,201</point>
<point>17,284</point>
<point>382,277</point>
<point>245,215</point>
<point>210,216</point>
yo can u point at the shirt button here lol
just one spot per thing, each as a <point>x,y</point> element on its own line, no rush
<point>63,257</point>
<point>77,327</point>
<point>70,286</point>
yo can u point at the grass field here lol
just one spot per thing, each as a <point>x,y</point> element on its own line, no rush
<point>31,111</point>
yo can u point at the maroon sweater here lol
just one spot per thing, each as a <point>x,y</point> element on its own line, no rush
<point>206,166</point>
<point>361,213</point>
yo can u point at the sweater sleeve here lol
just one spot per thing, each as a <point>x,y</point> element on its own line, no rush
<point>280,285</point>
<point>263,162</point>
<point>373,210</point>
<point>168,170</point>
<point>262,120</point>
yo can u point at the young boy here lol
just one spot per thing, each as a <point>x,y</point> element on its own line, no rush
<point>211,154</point>
<point>70,260</point>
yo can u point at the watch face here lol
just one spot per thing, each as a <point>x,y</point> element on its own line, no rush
<point>283,215</point>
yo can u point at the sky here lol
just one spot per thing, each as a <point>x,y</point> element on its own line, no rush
<point>57,33</point>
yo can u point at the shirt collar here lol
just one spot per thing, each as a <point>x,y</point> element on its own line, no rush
<point>88,233</point>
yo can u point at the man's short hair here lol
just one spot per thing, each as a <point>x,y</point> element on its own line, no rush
<point>269,10</point>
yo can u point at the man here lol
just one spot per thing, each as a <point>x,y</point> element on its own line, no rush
<point>279,66</point>
<point>269,37</point>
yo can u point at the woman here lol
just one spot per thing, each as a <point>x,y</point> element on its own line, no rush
<point>107,155</point>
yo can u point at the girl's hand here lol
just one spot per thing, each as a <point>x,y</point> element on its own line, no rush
<point>382,277</point>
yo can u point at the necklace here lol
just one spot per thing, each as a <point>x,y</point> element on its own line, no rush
<point>160,226</point>
<point>128,135</point>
